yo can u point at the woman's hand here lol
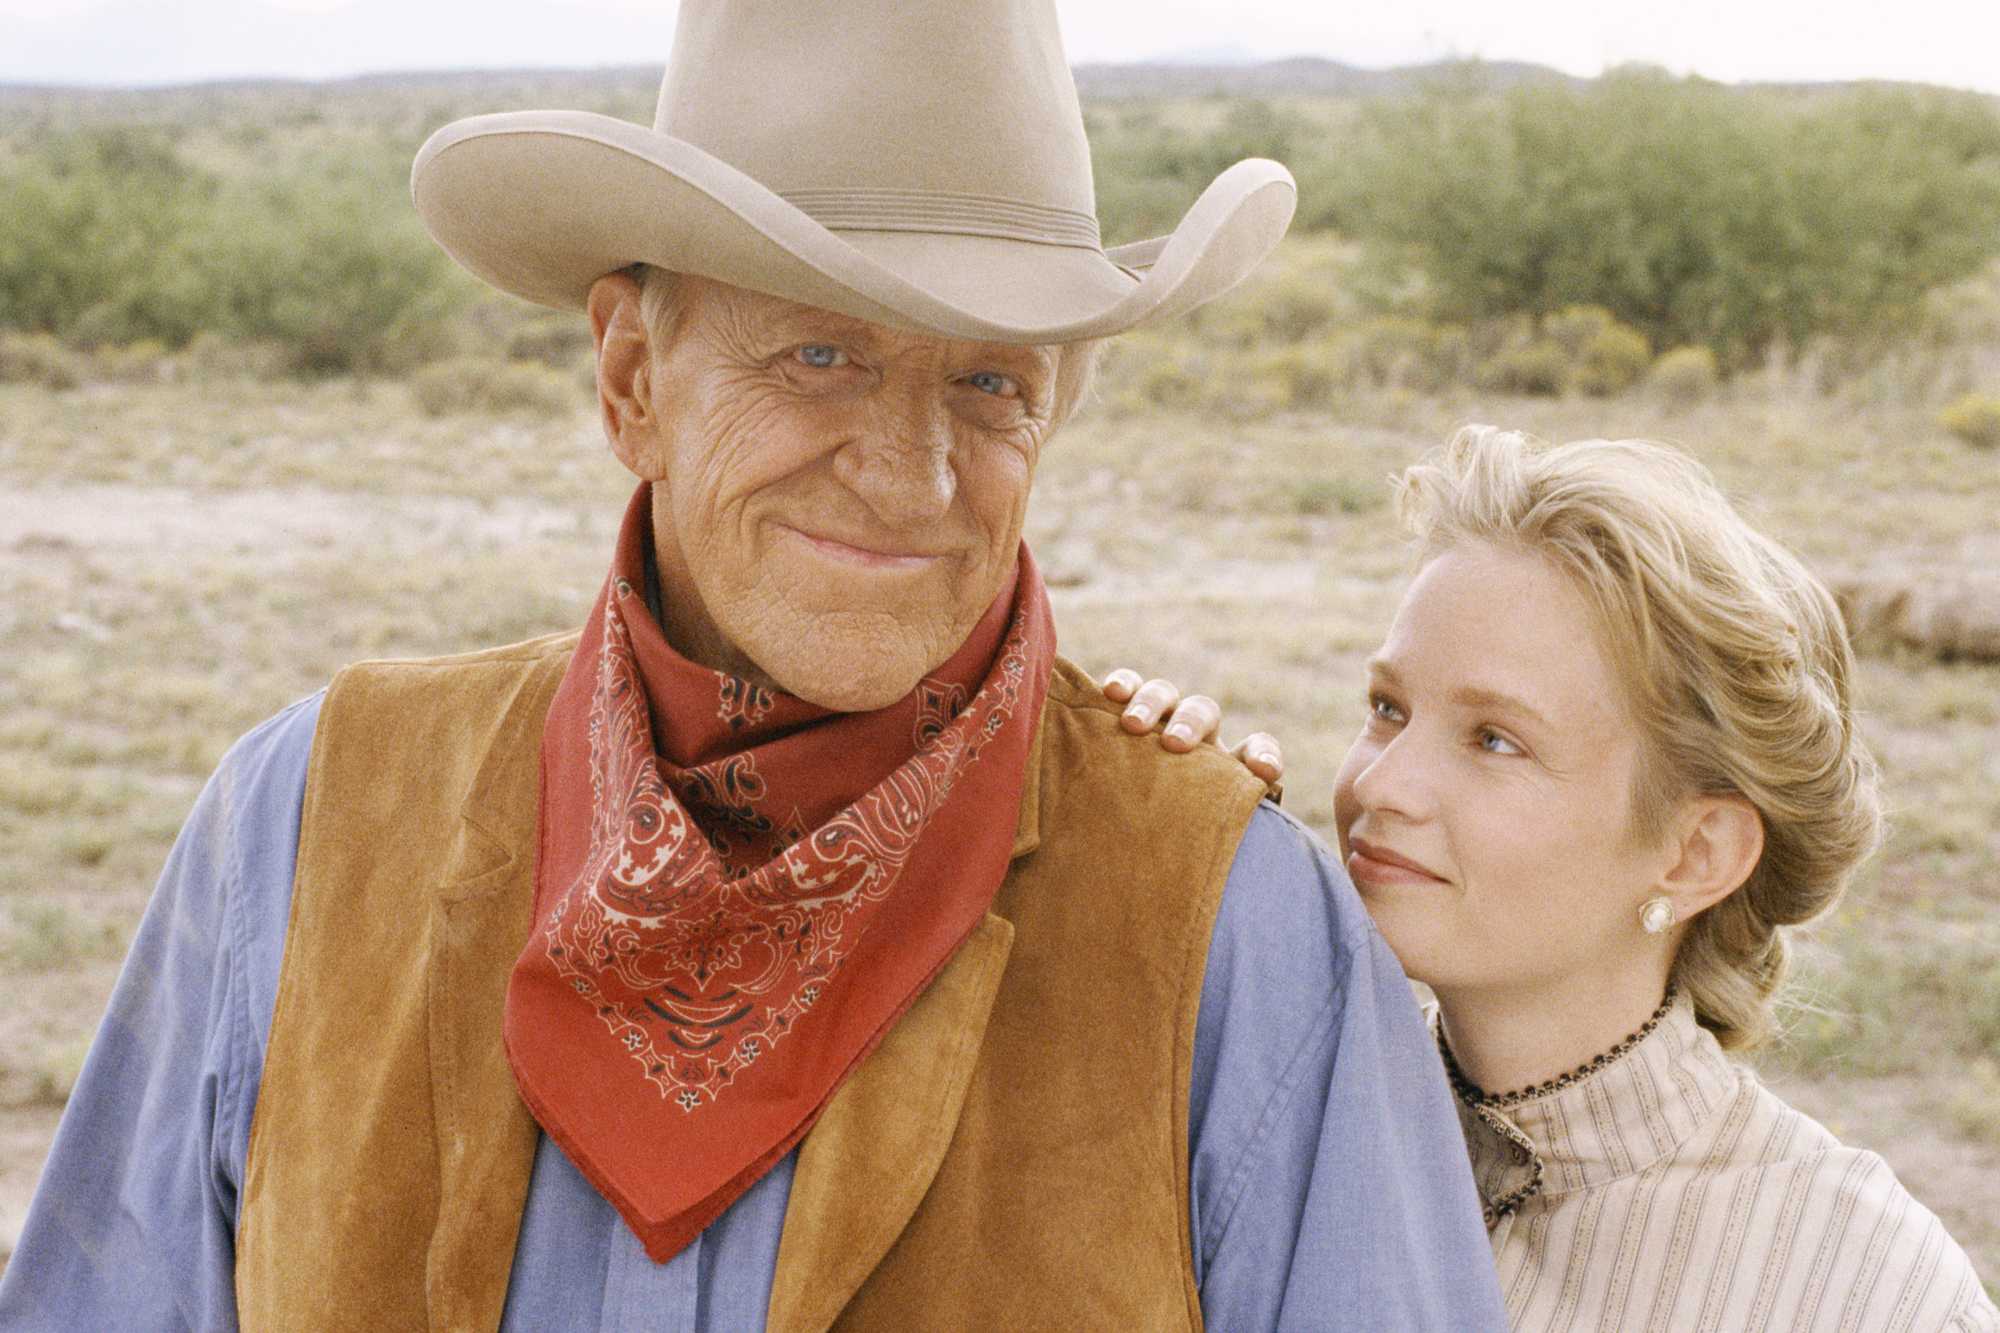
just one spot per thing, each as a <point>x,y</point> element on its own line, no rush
<point>1189,721</point>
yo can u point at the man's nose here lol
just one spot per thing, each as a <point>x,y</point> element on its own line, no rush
<point>900,464</point>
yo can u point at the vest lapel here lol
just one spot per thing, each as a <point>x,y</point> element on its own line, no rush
<point>485,1136</point>
<point>870,1158</point>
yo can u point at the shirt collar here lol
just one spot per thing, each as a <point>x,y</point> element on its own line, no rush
<point>1630,1115</point>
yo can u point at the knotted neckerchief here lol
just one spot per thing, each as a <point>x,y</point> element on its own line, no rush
<point>723,932</point>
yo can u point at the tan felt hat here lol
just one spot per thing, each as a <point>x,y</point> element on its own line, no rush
<point>918,163</point>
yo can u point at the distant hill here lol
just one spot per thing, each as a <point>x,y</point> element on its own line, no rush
<point>629,90</point>
<point>1301,76</point>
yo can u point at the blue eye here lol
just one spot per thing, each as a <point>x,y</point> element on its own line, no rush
<point>988,381</point>
<point>1493,742</point>
<point>821,356</point>
<point>1380,707</point>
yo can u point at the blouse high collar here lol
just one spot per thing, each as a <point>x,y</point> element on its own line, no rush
<point>1617,1121</point>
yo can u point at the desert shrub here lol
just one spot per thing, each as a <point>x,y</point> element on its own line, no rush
<point>143,362</point>
<point>557,340</point>
<point>1975,419</point>
<point>331,264</point>
<point>1302,294</point>
<point>1537,369</point>
<point>1611,360</point>
<point>464,385</point>
<point>1386,352</point>
<point>1574,327</point>
<point>215,356</point>
<point>1692,212</point>
<point>97,229</point>
<point>1151,167</point>
<point>113,238</point>
<point>38,358</point>
<point>1295,377</point>
<point>1313,495</point>
<point>1684,376</point>
<point>1166,381</point>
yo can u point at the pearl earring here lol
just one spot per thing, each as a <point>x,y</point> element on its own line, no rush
<point>1656,915</point>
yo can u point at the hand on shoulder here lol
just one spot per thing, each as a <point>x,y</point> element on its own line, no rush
<point>1187,721</point>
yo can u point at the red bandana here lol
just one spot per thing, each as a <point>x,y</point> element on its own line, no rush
<point>727,924</point>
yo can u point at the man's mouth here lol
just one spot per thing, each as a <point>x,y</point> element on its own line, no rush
<point>864,553</point>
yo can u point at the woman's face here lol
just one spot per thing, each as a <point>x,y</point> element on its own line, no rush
<point>1485,810</point>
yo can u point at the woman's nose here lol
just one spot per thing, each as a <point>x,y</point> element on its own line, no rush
<point>1395,780</point>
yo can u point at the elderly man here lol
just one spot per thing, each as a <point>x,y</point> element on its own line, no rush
<point>801,943</point>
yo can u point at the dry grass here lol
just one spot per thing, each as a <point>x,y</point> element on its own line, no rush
<point>181,560</point>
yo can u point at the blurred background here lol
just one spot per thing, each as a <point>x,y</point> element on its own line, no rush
<point>254,426</point>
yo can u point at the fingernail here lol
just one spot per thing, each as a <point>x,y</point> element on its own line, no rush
<point>1180,732</point>
<point>1141,714</point>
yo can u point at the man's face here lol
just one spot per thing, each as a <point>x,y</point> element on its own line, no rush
<point>836,503</point>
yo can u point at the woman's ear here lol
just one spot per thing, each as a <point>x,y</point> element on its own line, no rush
<point>625,374</point>
<point>1719,841</point>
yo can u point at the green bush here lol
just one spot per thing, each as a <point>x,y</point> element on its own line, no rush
<point>1150,168</point>
<point>1975,419</point>
<point>1693,212</point>
<point>557,340</point>
<point>216,356</point>
<point>38,358</point>
<point>1295,377</point>
<point>463,385</point>
<point>1574,328</point>
<point>1538,369</point>
<point>1397,352</point>
<point>329,262</point>
<point>99,229</point>
<point>1166,381</point>
<point>113,238</point>
<point>1612,360</point>
<point>1684,376</point>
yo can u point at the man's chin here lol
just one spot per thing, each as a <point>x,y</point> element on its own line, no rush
<point>847,677</point>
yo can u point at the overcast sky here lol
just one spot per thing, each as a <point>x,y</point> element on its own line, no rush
<point>1953,42</point>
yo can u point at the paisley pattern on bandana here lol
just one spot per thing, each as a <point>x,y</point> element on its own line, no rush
<point>743,704</point>
<point>738,893</point>
<point>697,973</point>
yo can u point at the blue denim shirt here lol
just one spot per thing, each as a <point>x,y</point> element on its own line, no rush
<point>1329,1185</point>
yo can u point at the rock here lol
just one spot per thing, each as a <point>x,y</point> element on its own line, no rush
<point>1952,617</point>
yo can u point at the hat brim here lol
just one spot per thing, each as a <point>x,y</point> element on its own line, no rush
<point>543,203</point>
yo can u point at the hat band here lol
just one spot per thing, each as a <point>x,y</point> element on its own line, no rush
<point>960,214</point>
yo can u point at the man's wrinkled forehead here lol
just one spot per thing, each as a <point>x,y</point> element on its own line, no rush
<point>775,319</point>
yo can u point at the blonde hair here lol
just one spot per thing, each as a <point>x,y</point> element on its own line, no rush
<point>661,307</point>
<point>1738,662</point>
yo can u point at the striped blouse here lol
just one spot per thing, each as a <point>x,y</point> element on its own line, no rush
<point>1677,1193</point>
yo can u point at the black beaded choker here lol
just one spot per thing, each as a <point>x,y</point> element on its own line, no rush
<point>1473,1095</point>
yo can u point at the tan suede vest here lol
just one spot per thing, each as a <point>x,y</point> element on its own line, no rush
<point>1013,1155</point>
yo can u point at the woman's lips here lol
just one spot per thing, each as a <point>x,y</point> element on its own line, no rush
<point>1369,863</point>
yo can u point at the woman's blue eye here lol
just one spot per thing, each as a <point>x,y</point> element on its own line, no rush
<point>987,381</point>
<point>1384,709</point>
<point>1494,743</point>
<point>822,356</point>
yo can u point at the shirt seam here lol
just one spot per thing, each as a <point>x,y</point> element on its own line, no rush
<point>1281,1097</point>
<point>235,1005</point>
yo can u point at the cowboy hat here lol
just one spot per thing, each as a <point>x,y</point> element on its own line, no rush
<point>907,162</point>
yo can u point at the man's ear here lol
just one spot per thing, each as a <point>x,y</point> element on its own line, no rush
<point>1719,841</point>
<point>625,374</point>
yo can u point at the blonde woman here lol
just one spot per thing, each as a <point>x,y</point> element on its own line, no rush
<point>1609,762</point>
